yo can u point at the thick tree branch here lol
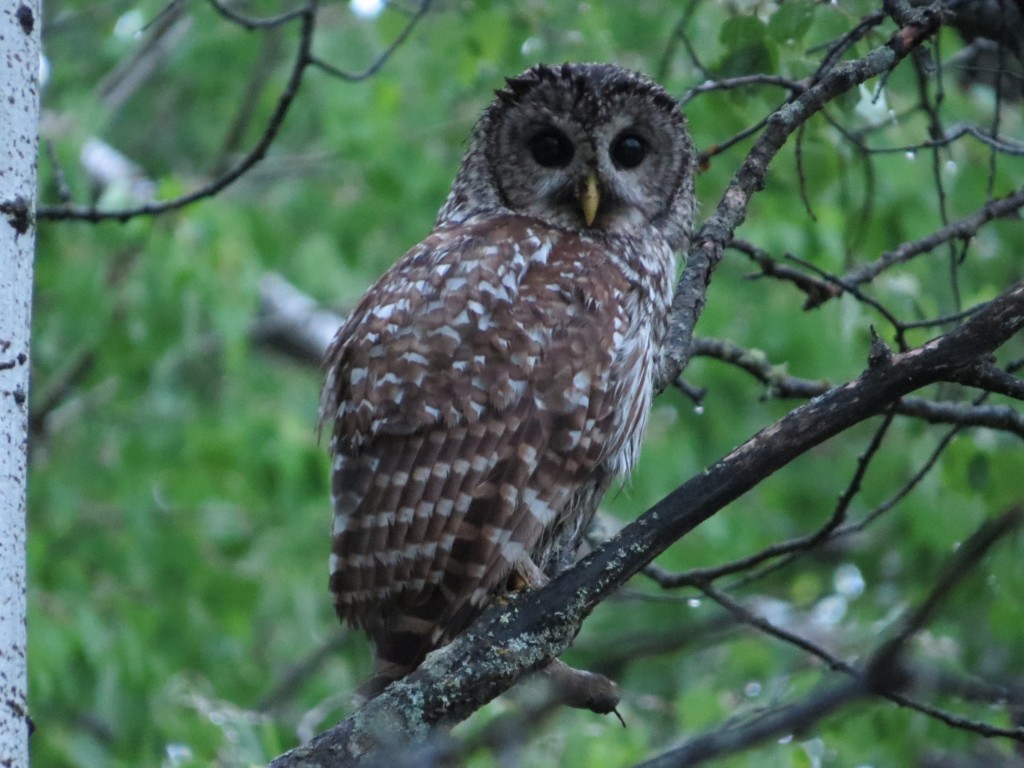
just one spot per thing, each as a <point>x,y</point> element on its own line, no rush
<point>510,640</point>
<point>292,322</point>
<point>782,385</point>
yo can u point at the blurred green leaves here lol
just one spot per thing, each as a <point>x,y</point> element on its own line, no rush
<point>178,498</point>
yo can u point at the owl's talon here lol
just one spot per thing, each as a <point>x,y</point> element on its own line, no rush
<point>580,689</point>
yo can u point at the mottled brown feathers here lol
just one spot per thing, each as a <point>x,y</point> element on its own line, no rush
<point>490,385</point>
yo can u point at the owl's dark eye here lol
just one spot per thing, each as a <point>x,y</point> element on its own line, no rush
<point>551,148</point>
<point>629,150</point>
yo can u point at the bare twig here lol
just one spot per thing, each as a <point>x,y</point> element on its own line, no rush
<point>304,58</point>
<point>885,673</point>
<point>835,51</point>
<point>251,23</point>
<point>744,81</point>
<point>381,60</point>
<point>700,576</point>
<point>951,135</point>
<point>678,34</point>
<point>738,735</point>
<point>717,231</point>
<point>962,229</point>
<point>307,18</point>
<point>817,290</point>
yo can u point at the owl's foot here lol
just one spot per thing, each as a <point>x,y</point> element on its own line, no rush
<point>525,575</point>
<point>580,689</point>
<point>573,687</point>
<point>384,675</point>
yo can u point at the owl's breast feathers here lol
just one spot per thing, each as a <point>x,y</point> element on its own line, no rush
<point>487,376</point>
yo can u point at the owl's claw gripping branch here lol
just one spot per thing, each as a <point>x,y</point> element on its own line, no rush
<point>580,689</point>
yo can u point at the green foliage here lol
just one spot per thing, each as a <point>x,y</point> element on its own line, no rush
<point>178,496</point>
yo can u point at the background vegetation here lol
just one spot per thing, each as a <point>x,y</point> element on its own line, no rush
<point>178,527</point>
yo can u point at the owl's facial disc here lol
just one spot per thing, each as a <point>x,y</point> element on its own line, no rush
<point>581,171</point>
<point>583,147</point>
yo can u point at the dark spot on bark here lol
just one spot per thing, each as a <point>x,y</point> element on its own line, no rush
<point>18,214</point>
<point>19,397</point>
<point>26,19</point>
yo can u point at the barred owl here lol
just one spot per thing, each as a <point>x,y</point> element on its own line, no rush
<point>489,387</point>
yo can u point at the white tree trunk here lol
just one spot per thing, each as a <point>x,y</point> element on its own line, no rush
<point>19,120</point>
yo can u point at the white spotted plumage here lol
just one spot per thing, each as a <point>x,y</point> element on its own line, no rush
<point>493,382</point>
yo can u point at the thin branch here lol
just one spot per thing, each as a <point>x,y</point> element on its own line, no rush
<point>778,381</point>
<point>991,378</point>
<point>743,81</point>
<point>716,233</point>
<point>838,49</point>
<point>1001,417</point>
<point>884,674</point>
<point>999,144</point>
<point>260,75</point>
<point>932,322</point>
<point>381,60</point>
<point>699,576</point>
<point>163,34</point>
<point>862,297</point>
<point>817,291</point>
<point>967,557</point>
<point>251,23</point>
<point>678,34</point>
<point>904,490</point>
<point>859,525</point>
<point>962,229</point>
<point>732,737</point>
<point>705,155</point>
<point>304,58</point>
<point>307,17</point>
<point>798,153</point>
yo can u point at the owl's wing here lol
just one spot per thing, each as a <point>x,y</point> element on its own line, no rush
<point>472,391</point>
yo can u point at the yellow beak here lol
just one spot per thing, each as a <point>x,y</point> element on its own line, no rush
<point>590,199</point>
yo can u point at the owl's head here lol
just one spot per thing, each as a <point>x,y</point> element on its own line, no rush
<point>581,147</point>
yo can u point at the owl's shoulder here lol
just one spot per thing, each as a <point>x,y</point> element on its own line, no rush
<point>470,273</point>
<point>475,317</point>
